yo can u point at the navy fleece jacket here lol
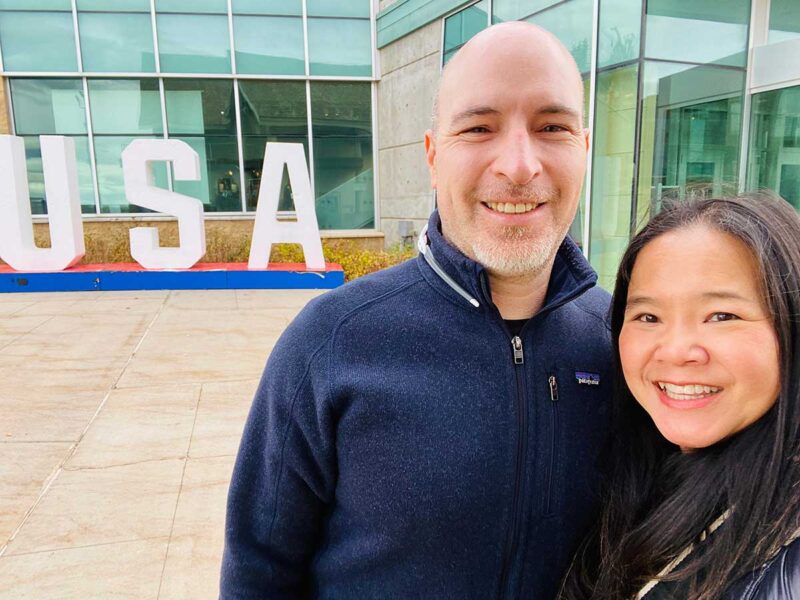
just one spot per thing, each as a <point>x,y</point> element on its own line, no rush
<point>399,448</point>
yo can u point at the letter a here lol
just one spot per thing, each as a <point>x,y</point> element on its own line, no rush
<point>267,229</point>
<point>17,246</point>
<point>137,170</point>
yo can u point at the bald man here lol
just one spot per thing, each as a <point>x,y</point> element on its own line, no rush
<point>432,431</point>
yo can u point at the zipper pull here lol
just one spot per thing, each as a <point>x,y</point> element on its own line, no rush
<point>516,344</point>
<point>553,388</point>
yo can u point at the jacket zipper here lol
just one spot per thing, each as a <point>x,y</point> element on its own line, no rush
<point>516,504</point>
<point>551,381</point>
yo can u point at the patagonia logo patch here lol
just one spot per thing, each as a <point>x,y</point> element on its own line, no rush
<point>585,378</point>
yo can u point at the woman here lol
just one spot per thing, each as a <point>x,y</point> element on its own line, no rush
<point>703,498</point>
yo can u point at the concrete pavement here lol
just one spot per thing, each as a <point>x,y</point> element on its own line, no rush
<point>120,417</point>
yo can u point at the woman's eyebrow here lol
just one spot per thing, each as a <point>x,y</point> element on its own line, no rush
<point>634,301</point>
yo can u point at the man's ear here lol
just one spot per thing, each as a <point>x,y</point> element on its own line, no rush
<point>586,138</point>
<point>430,155</point>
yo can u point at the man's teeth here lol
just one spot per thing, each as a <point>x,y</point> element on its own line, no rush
<point>691,391</point>
<point>512,207</point>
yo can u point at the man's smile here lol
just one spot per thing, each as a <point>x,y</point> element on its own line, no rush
<point>511,207</point>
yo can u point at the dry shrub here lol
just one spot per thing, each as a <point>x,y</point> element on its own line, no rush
<point>355,261</point>
<point>112,245</point>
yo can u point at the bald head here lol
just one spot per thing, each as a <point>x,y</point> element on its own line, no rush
<point>504,43</point>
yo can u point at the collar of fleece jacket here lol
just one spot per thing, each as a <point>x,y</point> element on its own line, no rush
<point>572,275</point>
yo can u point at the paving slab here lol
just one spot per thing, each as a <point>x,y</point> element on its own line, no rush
<point>24,470</point>
<point>127,570</point>
<point>120,418</point>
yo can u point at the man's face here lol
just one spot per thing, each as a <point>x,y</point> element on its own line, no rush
<point>508,157</point>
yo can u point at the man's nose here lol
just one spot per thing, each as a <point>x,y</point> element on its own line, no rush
<point>681,344</point>
<point>517,158</point>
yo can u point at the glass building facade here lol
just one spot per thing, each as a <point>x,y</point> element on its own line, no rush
<point>683,100</point>
<point>224,76</point>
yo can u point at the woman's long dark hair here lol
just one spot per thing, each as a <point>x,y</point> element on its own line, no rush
<point>658,499</point>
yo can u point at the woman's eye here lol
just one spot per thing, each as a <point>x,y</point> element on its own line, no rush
<point>722,316</point>
<point>646,318</point>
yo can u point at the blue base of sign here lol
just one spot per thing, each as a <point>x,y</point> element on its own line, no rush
<point>93,278</point>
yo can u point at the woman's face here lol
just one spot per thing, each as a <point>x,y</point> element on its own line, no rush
<point>697,345</point>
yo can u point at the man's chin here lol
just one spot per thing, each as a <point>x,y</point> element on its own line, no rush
<point>509,260</point>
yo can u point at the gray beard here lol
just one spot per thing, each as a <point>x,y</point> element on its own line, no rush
<point>517,253</point>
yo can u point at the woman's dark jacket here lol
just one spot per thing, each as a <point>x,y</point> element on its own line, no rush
<point>779,579</point>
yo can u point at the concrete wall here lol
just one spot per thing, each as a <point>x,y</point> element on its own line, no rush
<point>409,74</point>
<point>5,122</point>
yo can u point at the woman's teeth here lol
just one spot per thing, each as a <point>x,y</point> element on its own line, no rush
<point>512,207</point>
<point>691,391</point>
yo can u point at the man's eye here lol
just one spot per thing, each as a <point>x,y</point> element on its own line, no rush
<point>722,316</point>
<point>554,128</point>
<point>479,129</point>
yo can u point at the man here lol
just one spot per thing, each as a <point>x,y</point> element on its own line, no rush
<point>431,431</point>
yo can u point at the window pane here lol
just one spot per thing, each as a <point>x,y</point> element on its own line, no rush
<point>704,31</point>
<point>784,20</point>
<point>33,156</point>
<point>254,146</point>
<point>267,7</point>
<point>612,170</point>
<point>192,6</point>
<point>618,32</point>
<point>269,45</point>
<point>572,24</point>
<point>337,8</point>
<point>774,157</point>
<point>125,106</point>
<point>691,131</point>
<point>116,6</point>
<point>342,128</point>
<point>194,44</point>
<point>576,229</point>
<point>202,106</point>
<point>218,188</point>
<point>329,56</point>
<point>38,5</point>
<point>514,10</point>
<point>38,41</point>
<point>48,106</point>
<point>117,42</point>
<point>272,111</point>
<point>273,108</point>
<point>108,156</point>
<point>460,27</point>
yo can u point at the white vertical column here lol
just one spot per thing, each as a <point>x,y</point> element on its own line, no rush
<point>308,106</point>
<point>237,111</point>
<point>373,5</point>
<point>587,204</point>
<point>758,36</point>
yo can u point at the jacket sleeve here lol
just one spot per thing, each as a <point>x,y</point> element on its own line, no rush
<point>283,478</point>
<point>778,580</point>
<point>782,582</point>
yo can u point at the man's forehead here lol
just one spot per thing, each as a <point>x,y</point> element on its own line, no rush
<point>510,63</point>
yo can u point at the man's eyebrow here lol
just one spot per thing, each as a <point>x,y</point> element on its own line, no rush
<point>559,109</point>
<point>483,110</point>
<point>474,111</point>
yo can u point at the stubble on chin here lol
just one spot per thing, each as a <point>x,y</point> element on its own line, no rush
<point>513,251</point>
